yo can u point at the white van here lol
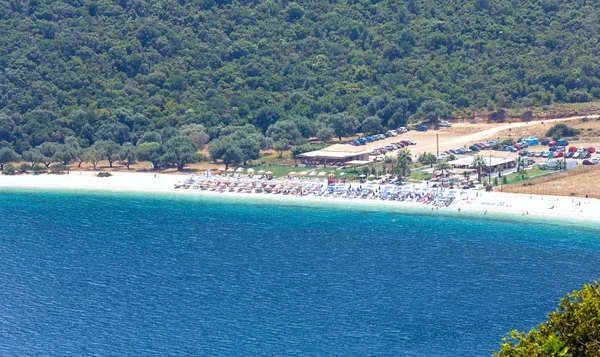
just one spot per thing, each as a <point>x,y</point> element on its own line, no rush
<point>390,133</point>
<point>379,158</point>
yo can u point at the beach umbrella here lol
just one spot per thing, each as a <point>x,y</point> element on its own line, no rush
<point>322,173</point>
<point>221,169</point>
<point>371,176</point>
<point>269,173</point>
<point>312,173</point>
<point>292,173</point>
<point>303,173</point>
<point>230,170</point>
<point>239,169</point>
<point>261,171</point>
<point>343,174</point>
<point>362,176</point>
<point>250,170</point>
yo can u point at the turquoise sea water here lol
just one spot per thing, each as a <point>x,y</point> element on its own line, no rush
<point>132,275</point>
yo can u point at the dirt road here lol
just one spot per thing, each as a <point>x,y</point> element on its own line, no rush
<point>450,138</point>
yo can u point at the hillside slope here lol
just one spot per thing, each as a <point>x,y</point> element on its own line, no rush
<point>69,63</point>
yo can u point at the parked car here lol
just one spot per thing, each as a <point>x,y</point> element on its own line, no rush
<point>474,148</point>
<point>380,158</point>
<point>591,149</point>
<point>546,154</point>
<point>589,162</point>
<point>558,154</point>
<point>572,149</point>
<point>577,155</point>
<point>562,142</point>
<point>517,146</point>
<point>402,130</point>
<point>445,124</point>
<point>569,155</point>
<point>412,142</point>
<point>369,139</point>
<point>552,143</point>
<point>421,128</point>
<point>523,153</point>
<point>545,141</point>
<point>391,133</point>
<point>539,154</point>
<point>531,154</point>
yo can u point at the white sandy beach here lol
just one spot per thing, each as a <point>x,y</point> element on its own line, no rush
<point>476,202</point>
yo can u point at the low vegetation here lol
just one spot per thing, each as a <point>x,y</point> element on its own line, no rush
<point>572,330</point>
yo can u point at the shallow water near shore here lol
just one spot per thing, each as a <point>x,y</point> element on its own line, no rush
<point>123,274</point>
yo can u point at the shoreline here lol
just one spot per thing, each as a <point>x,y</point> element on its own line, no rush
<point>472,203</point>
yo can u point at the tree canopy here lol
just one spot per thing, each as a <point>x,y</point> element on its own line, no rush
<point>572,330</point>
<point>114,71</point>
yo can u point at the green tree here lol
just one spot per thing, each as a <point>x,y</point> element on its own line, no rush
<point>427,159</point>
<point>571,330</point>
<point>109,149</point>
<point>65,154</point>
<point>33,156</point>
<point>402,164</point>
<point>149,151</point>
<point>281,146</point>
<point>433,110</point>
<point>285,131</point>
<point>48,150</point>
<point>197,133</point>
<point>181,151</point>
<point>480,164</point>
<point>372,125</point>
<point>227,150</point>
<point>325,134</point>
<point>93,155</point>
<point>343,125</point>
<point>8,155</point>
<point>127,155</point>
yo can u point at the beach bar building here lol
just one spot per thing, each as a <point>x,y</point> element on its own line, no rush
<point>337,155</point>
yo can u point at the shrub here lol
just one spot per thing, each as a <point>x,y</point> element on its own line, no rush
<point>9,170</point>
<point>104,174</point>
<point>38,168</point>
<point>58,169</point>
<point>504,180</point>
<point>561,130</point>
<point>25,167</point>
<point>495,182</point>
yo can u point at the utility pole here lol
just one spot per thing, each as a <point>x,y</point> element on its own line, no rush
<point>437,142</point>
<point>490,173</point>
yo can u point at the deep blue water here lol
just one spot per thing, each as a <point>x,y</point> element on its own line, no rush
<point>108,274</point>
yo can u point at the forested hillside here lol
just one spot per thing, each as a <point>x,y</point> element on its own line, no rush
<point>114,69</point>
